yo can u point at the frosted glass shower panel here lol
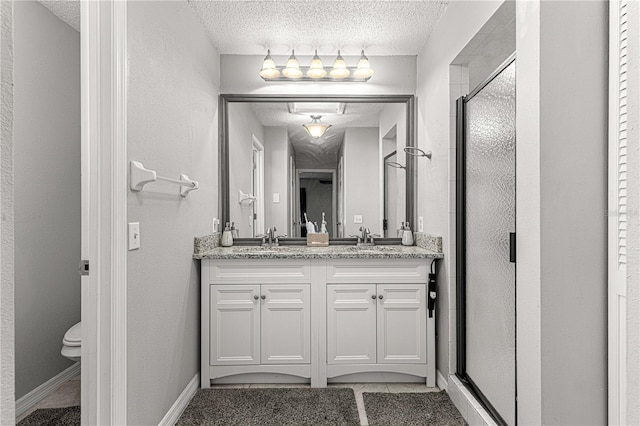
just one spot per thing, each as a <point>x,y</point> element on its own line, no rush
<point>490,217</point>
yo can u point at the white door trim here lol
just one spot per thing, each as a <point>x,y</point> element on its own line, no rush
<point>258,192</point>
<point>104,211</point>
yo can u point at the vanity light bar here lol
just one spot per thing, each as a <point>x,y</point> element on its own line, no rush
<point>316,72</point>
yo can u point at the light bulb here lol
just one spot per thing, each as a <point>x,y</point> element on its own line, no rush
<point>269,69</point>
<point>292,70</point>
<point>316,70</point>
<point>364,70</point>
<point>339,69</point>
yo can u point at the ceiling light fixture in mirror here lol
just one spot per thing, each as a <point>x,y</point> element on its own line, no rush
<point>316,129</point>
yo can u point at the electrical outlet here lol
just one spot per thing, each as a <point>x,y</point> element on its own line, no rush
<point>276,198</point>
<point>420,224</point>
<point>357,218</point>
<point>214,225</point>
<point>134,235</point>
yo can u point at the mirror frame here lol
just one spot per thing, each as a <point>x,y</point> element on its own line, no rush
<point>223,140</point>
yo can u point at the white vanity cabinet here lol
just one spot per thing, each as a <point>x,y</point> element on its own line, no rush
<point>376,323</point>
<point>260,324</point>
<point>316,320</point>
<point>256,319</point>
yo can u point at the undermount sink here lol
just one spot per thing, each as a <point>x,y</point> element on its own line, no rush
<point>257,249</point>
<point>376,248</point>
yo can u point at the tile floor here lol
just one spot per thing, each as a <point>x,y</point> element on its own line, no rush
<point>67,395</point>
<point>358,389</point>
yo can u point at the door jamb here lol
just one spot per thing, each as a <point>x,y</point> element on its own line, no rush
<point>104,221</point>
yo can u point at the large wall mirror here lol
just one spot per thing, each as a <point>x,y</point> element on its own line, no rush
<point>274,173</point>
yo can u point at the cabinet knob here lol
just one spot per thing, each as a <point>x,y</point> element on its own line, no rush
<point>380,297</point>
<point>255,296</point>
<point>263,297</point>
<point>373,296</point>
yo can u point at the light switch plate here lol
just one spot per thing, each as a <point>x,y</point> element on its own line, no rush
<point>276,197</point>
<point>357,218</point>
<point>134,235</point>
<point>420,224</point>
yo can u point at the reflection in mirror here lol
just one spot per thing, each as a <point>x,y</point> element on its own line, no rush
<point>291,176</point>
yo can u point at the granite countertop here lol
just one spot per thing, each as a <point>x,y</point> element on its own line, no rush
<point>331,252</point>
<point>427,247</point>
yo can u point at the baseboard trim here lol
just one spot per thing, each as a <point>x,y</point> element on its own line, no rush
<point>178,407</point>
<point>441,381</point>
<point>29,400</point>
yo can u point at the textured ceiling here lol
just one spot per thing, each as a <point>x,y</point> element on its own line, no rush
<point>68,11</point>
<point>324,149</point>
<point>381,27</point>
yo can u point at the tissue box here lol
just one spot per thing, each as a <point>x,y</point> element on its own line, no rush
<point>317,240</point>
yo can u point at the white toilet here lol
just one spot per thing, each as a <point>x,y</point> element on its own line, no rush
<point>72,343</point>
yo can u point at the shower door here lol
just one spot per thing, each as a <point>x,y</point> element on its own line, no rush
<point>486,243</point>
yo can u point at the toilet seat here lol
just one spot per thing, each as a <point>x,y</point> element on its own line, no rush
<point>73,336</point>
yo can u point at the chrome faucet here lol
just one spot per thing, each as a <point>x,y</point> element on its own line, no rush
<point>365,234</point>
<point>366,237</point>
<point>272,241</point>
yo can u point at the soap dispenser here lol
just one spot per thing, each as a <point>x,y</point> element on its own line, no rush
<point>227,236</point>
<point>407,235</point>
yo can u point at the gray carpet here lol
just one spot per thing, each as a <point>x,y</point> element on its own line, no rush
<point>272,406</point>
<point>68,416</point>
<point>416,409</point>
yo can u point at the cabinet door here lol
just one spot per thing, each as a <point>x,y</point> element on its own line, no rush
<point>234,324</point>
<point>402,324</point>
<point>286,324</point>
<point>351,324</point>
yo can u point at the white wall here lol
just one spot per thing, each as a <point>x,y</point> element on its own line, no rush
<point>243,125</point>
<point>362,179</point>
<point>395,115</point>
<point>276,146</point>
<point>561,164</point>
<point>436,133</point>
<point>394,75</point>
<point>47,191</point>
<point>172,128</point>
<point>7,332</point>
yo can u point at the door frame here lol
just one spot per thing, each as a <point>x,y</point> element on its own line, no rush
<point>258,180</point>
<point>104,208</point>
<point>461,299</point>
<point>385,202</point>
<point>103,47</point>
<point>334,195</point>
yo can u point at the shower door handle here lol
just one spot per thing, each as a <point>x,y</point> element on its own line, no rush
<point>512,247</point>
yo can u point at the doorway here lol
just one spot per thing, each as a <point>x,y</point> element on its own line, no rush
<point>485,223</point>
<point>317,194</point>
